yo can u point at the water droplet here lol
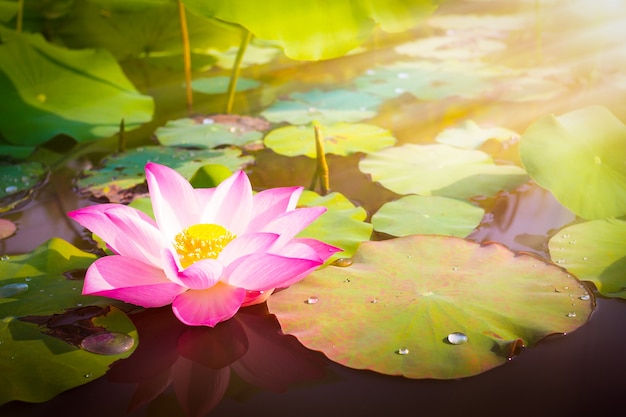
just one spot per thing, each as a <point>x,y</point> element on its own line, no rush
<point>4,258</point>
<point>585,297</point>
<point>207,121</point>
<point>572,314</point>
<point>346,280</point>
<point>10,290</point>
<point>457,338</point>
<point>312,300</point>
<point>79,304</point>
<point>403,75</point>
<point>455,268</point>
<point>10,189</point>
<point>363,108</point>
<point>560,261</point>
<point>312,109</point>
<point>565,236</point>
<point>370,72</point>
<point>41,98</point>
<point>88,375</point>
<point>342,262</point>
<point>399,90</point>
<point>139,149</point>
<point>107,343</point>
<point>585,258</point>
<point>597,160</point>
<point>566,287</point>
<point>403,351</point>
<point>572,242</point>
<point>27,279</point>
<point>374,300</point>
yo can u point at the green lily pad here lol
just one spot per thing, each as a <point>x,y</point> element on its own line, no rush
<point>431,307</point>
<point>255,55</point>
<point>211,132</point>
<point>579,156</point>
<point>219,85</point>
<point>343,225</point>
<point>18,182</point>
<point>45,320</point>
<point>326,107</point>
<point>440,170</point>
<point>594,251</point>
<point>315,30</point>
<point>416,214</point>
<point>425,80</point>
<point>460,46</point>
<point>35,77</point>
<point>8,10</point>
<point>339,139</point>
<point>469,135</point>
<point>120,175</point>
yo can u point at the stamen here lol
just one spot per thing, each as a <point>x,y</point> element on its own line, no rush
<point>201,241</point>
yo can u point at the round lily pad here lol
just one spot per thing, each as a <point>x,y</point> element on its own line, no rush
<point>431,307</point>
<point>416,214</point>
<point>18,180</point>
<point>579,156</point>
<point>594,251</point>
<point>440,170</point>
<point>212,131</point>
<point>469,135</point>
<point>219,85</point>
<point>339,139</point>
<point>119,174</point>
<point>325,107</point>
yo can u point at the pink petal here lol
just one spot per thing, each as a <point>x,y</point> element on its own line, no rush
<point>210,306</point>
<point>289,224</point>
<point>131,281</point>
<point>246,244</point>
<point>198,276</point>
<point>126,231</point>
<point>323,250</point>
<point>256,297</point>
<point>269,204</point>
<point>174,201</point>
<point>231,204</point>
<point>264,271</point>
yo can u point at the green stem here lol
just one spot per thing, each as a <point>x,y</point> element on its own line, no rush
<point>121,144</point>
<point>321,170</point>
<point>234,76</point>
<point>184,32</point>
<point>20,16</point>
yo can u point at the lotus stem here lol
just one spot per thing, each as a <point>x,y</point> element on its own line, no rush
<point>20,16</point>
<point>234,76</point>
<point>321,169</point>
<point>184,32</point>
<point>121,144</point>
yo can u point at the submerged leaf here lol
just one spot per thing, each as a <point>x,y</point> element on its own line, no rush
<point>43,321</point>
<point>219,84</point>
<point>465,307</point>
<point>579,156</point>
<point>440,170</point>
<point>594,251</point>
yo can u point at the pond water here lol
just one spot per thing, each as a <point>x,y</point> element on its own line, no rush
<point>247,366</point>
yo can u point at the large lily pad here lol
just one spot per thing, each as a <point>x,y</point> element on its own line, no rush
<point>339,139</point>
<point>594,251</point>
<point>343,225</point>
<point>211,132</point>
<point>440,170</point>
<point>316,30</point>
<point>325,107</point>
<point>416,214</point>
<point>431,307</point>
<point>45,320</point>
<point>120,174</point>
<point>35,77</point>
<point>579,156</point>
<point>425,80</point>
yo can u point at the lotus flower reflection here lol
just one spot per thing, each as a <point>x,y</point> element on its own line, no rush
<point>209,252</point>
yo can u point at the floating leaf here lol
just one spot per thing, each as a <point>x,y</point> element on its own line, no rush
<point>213,131</point>
<point>343,225</point>
<point>8,10</point>
<point>315,30</point>
<point>425,80</point>
<point>325,107</point>
<point>219,85</point>
<point>416,214</point>
<point>594,251</point>
<point>579,156</point>
<point>440,170</point>
<point>340,139</point>
<point>401,307</point>
<point>35,77</point>
<point>470,135</point>
<point>7,228</point>
<point>255,55</point>
<point>460,46</point>
<point>44,322</point>
<point>121,173</point>
<point>18,182</point>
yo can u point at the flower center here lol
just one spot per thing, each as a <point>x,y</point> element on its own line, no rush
<point>201,241</point>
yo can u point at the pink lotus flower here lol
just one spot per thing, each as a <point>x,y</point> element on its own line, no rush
<point>209,252</point>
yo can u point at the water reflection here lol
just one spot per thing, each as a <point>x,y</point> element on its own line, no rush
<point>523,220</point>
<point>199,363</point>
